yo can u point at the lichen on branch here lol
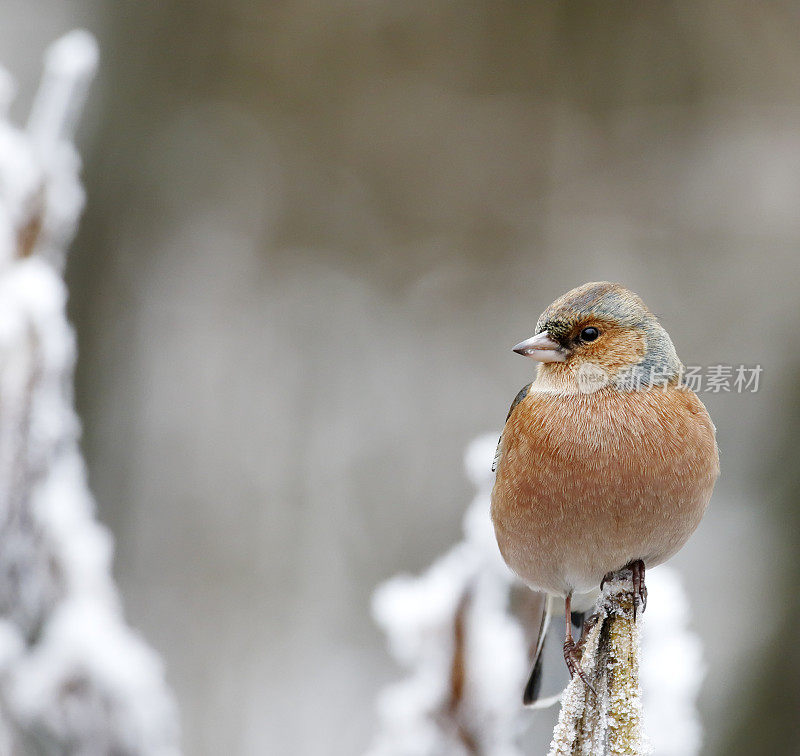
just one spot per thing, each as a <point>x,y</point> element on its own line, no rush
<point>608,719</point>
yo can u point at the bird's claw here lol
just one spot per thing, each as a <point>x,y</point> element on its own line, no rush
<point>572,656</point>
<point>639,588</point>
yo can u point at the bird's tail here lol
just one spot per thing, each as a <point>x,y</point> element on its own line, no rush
<point>531,694</point>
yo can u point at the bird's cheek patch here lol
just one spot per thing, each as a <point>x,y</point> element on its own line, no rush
<point>619,349</point>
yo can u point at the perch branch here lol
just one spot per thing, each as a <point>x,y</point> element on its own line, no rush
<point>610,720</point>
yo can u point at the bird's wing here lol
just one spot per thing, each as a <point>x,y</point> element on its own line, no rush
<point>517,399</point>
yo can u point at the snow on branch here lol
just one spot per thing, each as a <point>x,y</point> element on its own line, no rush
<point>466,653</point>
<point>73,677</point>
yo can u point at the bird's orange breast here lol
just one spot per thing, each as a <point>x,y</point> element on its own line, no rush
<point>588,482</point>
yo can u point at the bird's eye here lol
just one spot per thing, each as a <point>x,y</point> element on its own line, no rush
<point>589,334</point>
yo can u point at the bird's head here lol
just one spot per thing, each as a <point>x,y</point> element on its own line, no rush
<point>605,330</point>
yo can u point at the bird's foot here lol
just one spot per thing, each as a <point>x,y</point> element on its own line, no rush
<point>639,588</point>
<point>572,656</point>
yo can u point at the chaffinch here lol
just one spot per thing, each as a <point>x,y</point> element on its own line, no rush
<point>606,460</point>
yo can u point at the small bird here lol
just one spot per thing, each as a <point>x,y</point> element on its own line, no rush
<point>607,460</point>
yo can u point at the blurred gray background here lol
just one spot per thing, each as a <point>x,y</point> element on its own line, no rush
<point>313,232</point>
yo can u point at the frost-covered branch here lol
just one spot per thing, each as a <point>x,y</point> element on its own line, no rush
<point>613,720</point>
<point>73,678</point>
<point>607,718</point>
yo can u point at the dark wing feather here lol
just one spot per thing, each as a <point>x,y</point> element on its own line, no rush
<point>517,399</point>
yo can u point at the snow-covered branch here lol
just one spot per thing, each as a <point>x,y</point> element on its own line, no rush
<point>73,677</point>
<point>652,692</point>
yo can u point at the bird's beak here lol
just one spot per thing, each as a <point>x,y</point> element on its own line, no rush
<point>541,348</point>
